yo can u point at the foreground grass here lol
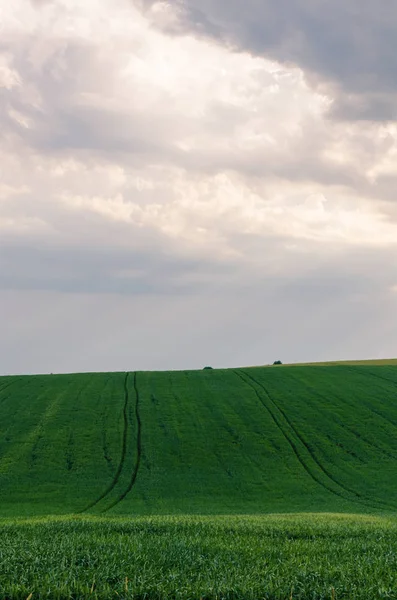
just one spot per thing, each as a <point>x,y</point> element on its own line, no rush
<point>262,557</point>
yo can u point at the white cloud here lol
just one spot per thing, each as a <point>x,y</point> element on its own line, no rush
<point>139,161</point>
<point>164,131</point>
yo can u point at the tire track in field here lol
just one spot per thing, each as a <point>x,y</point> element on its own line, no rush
<point>135,470</point>
<point>363,438</point>
<point>288,438</point>
<point>372,410</point>
<point>371,374</point>
<point>343,490</point>
<point>343,401</point>
<point>123,451</point>
<point>365,375</point>
<point>7,386</point>
<point>362,499</point>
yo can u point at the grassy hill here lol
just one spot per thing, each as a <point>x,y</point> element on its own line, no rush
<point>253,440</point>
<point>363,363</point>
<point>156,485</point>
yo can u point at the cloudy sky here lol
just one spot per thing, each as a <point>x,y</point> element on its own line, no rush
<point>196,182</point>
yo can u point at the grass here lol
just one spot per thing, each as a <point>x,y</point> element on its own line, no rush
<point>146,476</point>
<point>252,440</point>
<point>250,558</point>
<point>365,362</point>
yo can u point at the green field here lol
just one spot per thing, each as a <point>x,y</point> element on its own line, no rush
<point>363,363</point>
<point>247,557</point>
<point>177,481</point>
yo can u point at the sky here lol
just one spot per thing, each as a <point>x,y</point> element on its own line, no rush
<point>196,182</point>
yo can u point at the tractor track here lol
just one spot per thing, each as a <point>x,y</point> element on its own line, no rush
<point>359,498</point>
<point>134,474</point>
<point>116,477</point>
<point>365,373</point>
<point>342,401</point>
<point>364,439</point>
<point>288,438</point>
<point>342,493</point>
<point>5,387</point>
<point>369,407</point>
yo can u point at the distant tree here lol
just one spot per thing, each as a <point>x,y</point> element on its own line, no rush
<point>277,362</point>
<point>205,368</point>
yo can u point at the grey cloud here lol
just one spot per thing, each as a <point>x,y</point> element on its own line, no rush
<point>349,45</point>
<point>315,312</point>
<point>201,22</point>
<point>91,129</point>
<point>53,98</point>
<point>155,268</point>
<point>63,125</point>
<point>366,107</point>
<point>189,16</point>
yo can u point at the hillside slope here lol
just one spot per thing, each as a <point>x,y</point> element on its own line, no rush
<point>218,441</point>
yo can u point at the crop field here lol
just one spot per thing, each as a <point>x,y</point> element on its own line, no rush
<point>241,483</point>
<point>363,363</point>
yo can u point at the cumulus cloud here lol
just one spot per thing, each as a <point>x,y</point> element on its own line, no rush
<point>347,47</point>
<point>184,153</point>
